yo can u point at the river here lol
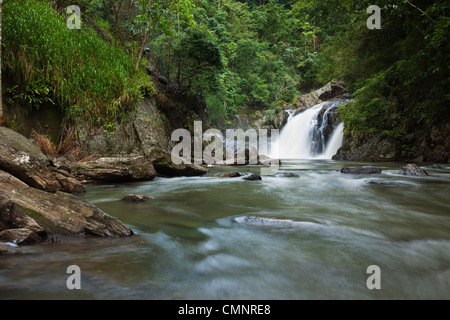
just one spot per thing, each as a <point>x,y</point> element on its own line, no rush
<point>311,237</point>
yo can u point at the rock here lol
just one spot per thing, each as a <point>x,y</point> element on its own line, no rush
<point>413,170</point>
<point>265,160</point>
<point>135,198</point>
<point>9,248</point>
<point>45,213</point>
<point>290,175</point>
<point>230,174</point>
<point>117,169</point>
<point>333,90</point>
<point>361,170</point>
<point>21,158</point>
<point>142,132</point>
<point>165,167</point>
<point>252,177</point>
<point>20,236</point>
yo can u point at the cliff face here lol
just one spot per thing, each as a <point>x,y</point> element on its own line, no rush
<point>143,132</point>
<point>423,146</point>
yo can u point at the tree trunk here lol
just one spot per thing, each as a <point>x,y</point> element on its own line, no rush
<point>144,40</point>
<point>169,47</point>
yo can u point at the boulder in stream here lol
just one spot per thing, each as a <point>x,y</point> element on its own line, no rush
<point>412,169</point>
<point>164,166</point>
<point>361,170</point>
<point>252,177</point>
<point>117,169</point>
<point>230,174</point>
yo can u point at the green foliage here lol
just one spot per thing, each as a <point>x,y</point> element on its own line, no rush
<point>49,62</point>
<point>399,74</point>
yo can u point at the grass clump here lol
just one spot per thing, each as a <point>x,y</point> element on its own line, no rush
<point>46,62</point>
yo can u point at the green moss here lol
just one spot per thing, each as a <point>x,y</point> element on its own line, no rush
<point>48,225</point>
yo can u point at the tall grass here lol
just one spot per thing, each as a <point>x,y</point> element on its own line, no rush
<point>75,69</point>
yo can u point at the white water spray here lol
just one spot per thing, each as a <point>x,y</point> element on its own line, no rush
<point>303,136</point>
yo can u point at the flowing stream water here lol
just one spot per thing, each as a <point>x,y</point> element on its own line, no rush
<point>310,237</point>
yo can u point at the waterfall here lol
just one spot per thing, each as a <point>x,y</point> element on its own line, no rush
<point>310,134</point>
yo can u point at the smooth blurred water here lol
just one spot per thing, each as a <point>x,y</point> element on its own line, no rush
<point>208,237</point>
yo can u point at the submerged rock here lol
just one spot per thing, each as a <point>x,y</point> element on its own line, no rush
<point>289,175</point>
<point>361,170</point>
<point>382,183</point>
<point>266,222</point>
<point>413,170</point>
<point>135,198</point>
<point>252,177</point>
<point>230,174</point>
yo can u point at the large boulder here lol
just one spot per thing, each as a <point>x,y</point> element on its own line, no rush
<point>361,170</point>
<point>412,169</point>
<point>46,213</point>
<point>21,158</point>
<point>117,169</point>
<point>166,167</point>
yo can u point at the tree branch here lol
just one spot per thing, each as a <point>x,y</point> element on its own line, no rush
<point>420,10</point>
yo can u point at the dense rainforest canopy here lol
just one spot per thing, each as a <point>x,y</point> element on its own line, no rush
<point>239,55</point>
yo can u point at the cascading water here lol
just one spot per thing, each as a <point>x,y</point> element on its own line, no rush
<point>310,134</point>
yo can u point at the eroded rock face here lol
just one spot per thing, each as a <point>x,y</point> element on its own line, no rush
<point>21,158</point>
<point>45,213</point>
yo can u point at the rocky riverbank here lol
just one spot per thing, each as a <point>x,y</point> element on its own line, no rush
<point>38,195</point>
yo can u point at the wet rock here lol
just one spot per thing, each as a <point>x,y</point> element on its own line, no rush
<point>9,248</point>
<point>252,177</point>
<point>24,160</point>
<point>117,169</point>
<point>413,170</point>
<point>135,198</point>
<point>44,213</point>
<point>230,174</point>
<point>164,166</point>
<point>20,236</point>
<point>361,170</point>
<point>289,175</point>
<point>335,89</point>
